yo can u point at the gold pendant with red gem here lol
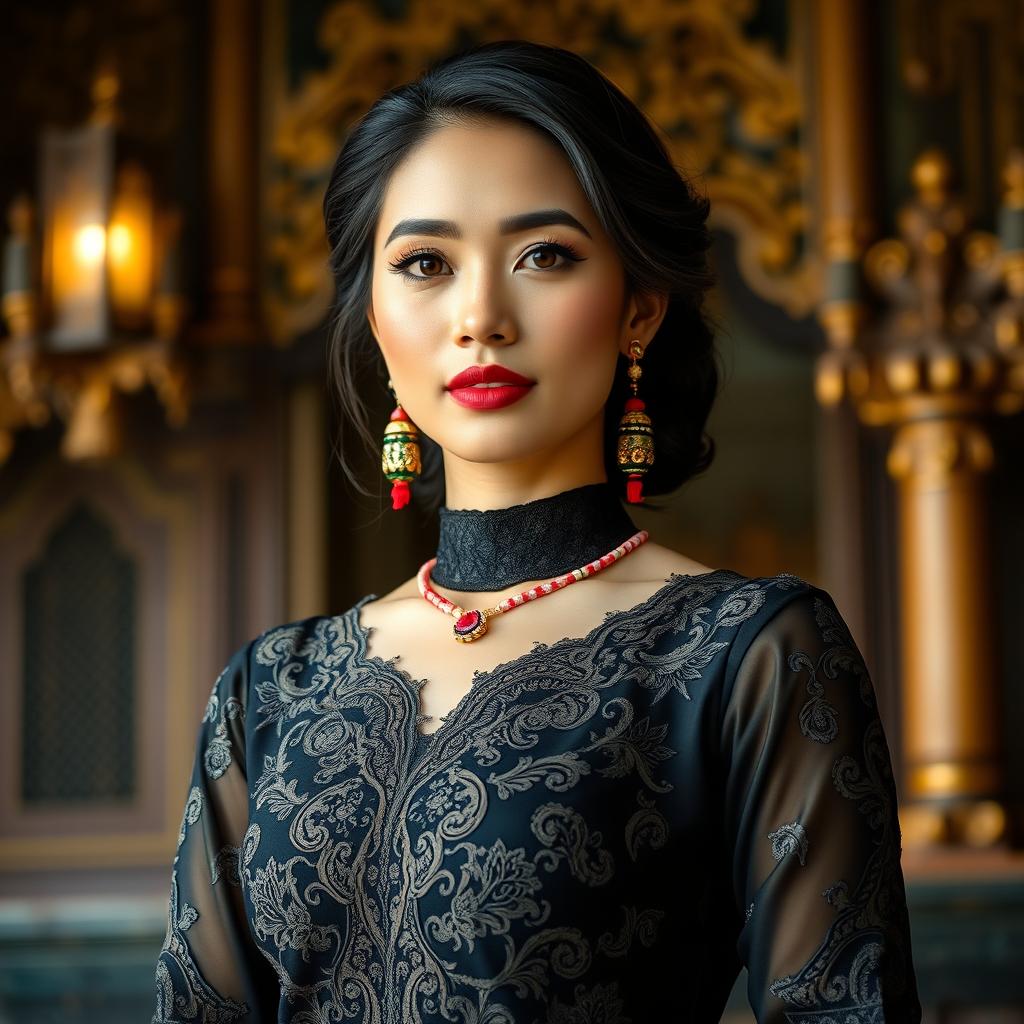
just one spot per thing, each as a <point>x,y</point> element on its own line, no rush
<point>470,626</point>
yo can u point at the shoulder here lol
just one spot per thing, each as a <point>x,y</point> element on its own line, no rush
<point>759,599</point>
<point>733,618</point>
<point>705,623</point>
<point>312,639</point>
<point>735,608</point>
<point>778,612</point>
<point>743,603</point>
<point>793,641</point>
<point>284,653</point>
<point>784,606</point>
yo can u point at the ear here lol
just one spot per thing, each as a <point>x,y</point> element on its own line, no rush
<point>645,311</point>
<point>373,322</point>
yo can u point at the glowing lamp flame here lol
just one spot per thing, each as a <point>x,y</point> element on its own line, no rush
<point>89,244</point>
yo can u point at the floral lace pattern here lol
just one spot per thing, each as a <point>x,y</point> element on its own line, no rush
<point>599,825</point>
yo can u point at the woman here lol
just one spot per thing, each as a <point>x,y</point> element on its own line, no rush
<point>597,808</point>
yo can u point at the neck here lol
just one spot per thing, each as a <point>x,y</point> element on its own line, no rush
<point>543,471</point>
<point>490,549</point>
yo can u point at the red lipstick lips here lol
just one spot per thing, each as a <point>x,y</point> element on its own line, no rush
<point>485,375</point>
<point>507,386</point>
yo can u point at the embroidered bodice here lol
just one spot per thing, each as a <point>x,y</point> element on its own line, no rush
<point>604,829</point>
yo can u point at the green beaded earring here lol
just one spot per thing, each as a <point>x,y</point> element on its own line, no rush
<point>400,453</point>
<point>635,453</point>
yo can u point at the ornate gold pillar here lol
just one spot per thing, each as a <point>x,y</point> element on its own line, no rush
<point>847,200</point>
<point>951,730</point>
<point>232,212</point>
<point>944,355</point>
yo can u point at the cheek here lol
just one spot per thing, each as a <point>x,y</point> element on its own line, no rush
<point>582,320</point>
<point>401,329</point>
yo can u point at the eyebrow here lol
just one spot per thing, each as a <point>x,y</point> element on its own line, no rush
<point>508,226</point>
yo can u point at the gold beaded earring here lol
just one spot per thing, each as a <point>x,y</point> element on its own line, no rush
<point>636,436</point>
<point>400,453</point>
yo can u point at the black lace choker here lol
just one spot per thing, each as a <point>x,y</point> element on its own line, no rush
<point>490,549</point>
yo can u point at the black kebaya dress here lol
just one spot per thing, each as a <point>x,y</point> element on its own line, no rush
<point>604,829</point>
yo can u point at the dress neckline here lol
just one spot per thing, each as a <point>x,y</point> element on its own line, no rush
<point>424,740</point>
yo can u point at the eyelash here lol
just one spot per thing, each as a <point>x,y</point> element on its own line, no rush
<point>406,259</point>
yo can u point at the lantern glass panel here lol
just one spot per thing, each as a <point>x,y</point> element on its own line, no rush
<point>77,183</point>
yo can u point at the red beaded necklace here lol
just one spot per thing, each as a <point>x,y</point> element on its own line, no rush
<point>471,625</point>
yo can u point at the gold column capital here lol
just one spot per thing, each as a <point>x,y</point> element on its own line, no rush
<point>931,453</point>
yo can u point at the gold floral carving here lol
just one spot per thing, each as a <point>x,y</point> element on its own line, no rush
<point>729,109</point>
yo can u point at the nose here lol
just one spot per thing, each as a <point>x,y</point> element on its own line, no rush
<point>483,313</point>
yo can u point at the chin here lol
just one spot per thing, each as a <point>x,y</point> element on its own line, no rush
<point>494,450</point>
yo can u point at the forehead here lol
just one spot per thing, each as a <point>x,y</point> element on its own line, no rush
<point>480,172</point>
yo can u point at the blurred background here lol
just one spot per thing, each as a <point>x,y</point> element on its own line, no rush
<point>168,487</point>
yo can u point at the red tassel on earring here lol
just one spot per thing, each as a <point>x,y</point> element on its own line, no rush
<point>399,494</point>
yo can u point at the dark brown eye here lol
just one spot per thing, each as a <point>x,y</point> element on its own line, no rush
<point>429,264</point>
<point>420,265</point>
<point>549,256</point>
<point>544,259</point>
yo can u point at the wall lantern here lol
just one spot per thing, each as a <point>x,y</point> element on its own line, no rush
<point>91,298</point>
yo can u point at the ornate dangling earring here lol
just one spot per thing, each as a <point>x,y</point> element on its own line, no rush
<point>400,453</point>
<point>636,436</point>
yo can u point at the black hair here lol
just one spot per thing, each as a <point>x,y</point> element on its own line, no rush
<point>649,209</point>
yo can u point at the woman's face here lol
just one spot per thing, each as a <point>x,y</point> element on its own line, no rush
<point>458,282</point>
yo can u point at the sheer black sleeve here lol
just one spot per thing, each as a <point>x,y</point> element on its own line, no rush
<point>209,968</point>
<point>811,813</point>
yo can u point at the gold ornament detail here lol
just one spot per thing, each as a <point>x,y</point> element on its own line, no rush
<point>401,449</point>
<point>635,451</point>
<point>636,445</point>
<point>400,454</point>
